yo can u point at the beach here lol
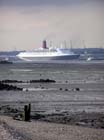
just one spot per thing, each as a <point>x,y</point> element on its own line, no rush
<point>71,107</point>
<point>47,131</point>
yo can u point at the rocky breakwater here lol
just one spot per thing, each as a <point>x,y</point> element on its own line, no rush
<point>4,86</point>
<point>31,81</point>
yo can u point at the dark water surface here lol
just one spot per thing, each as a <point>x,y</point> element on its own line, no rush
<point>60,96</point>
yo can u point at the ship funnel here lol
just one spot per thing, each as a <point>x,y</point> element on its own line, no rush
<point>44,45</point>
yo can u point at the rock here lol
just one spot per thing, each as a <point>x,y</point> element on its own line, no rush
<point>66,89</point>
<point>42,81</point>
<point>60,89</point>
<point>8,87</point>
<point>77,89</point>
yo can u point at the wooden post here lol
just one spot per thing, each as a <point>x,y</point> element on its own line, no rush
<point>27,111</point>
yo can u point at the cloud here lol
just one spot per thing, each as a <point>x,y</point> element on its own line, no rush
<point>25,26</point>
<point>43,2</point>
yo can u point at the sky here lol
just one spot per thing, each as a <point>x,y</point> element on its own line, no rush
<point>24,24</point>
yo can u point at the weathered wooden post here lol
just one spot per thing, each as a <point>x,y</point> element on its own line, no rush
<point>27,111</point>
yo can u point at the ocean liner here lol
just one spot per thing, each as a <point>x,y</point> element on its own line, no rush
<point>45,54</point>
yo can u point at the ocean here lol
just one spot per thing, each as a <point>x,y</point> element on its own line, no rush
<point>61,96</point>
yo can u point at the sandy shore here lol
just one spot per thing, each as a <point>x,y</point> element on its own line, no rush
<point>5,133</point>
<point>72,108</point>
<point>18,130</point>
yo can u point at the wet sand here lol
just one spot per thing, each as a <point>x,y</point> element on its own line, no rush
<point>76,98</point>
<point>35,130</point>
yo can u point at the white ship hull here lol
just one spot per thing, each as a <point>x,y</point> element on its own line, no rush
<point>48,58</point>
